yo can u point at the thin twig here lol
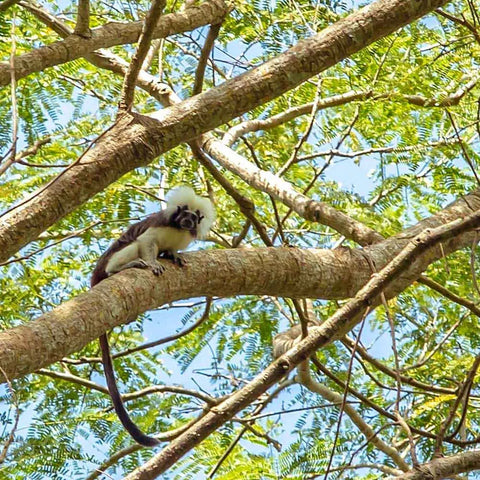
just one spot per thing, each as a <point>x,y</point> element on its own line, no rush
<point>82,26</point>
<point>242,432</point>
<point>464,390</point>
<point>462,145</point>
<point>324,167</point>
<point>345,392</point>
<point>11,435</point>
<point>306,134</point>
<point>438,345</point>
<point>378,150</point>
<point>213,32</point>
<point>51,182</point>
<point>450,295</point>
<point>13,94</point>
<point>472,262</point>
<point>126,100</point>
<point>403,423</point>
<point>465,23</point>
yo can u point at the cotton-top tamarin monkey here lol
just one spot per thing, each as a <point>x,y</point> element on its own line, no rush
<point>164,233</point>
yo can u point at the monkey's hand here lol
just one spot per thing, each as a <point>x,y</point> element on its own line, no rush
<point>176,258</point>
<point>157,268</point>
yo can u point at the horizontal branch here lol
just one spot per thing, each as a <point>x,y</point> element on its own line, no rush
<point>136,140</point>
<point>248,126</point>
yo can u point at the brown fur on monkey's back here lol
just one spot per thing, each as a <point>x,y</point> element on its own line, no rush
<point>158,219</point>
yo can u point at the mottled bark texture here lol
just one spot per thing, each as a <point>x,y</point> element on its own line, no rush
<point>109,35</point>
<point>447,467</point>
<point>136,140</point>
<point>286,272</point>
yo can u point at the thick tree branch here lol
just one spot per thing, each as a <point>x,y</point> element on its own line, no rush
<point>113,33</point>
<point>6,4</point>
<point>82,27</point>
<point>136,140</point>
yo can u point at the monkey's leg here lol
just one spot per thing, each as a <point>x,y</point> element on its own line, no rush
<point>157,269</point>
<point>175,257</point>
<point>148,255</point>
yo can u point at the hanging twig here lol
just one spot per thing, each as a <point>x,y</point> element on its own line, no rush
<point>345,392</point>
<point>462,145</point>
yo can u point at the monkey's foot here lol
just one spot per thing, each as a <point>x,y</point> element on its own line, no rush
<point>176,258</point>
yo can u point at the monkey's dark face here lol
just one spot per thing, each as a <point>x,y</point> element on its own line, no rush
<point>185,219</point>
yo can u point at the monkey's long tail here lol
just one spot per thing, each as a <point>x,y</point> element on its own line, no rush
<point>122,413</point>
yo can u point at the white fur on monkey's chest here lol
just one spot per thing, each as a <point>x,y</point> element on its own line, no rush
<point>167,238</point>
<point>148,245</point>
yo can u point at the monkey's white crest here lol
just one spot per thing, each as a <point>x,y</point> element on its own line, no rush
<point>181,196</point>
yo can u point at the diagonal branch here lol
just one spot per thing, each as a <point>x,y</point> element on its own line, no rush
<point>282,190</point>
<point>202,62</point>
